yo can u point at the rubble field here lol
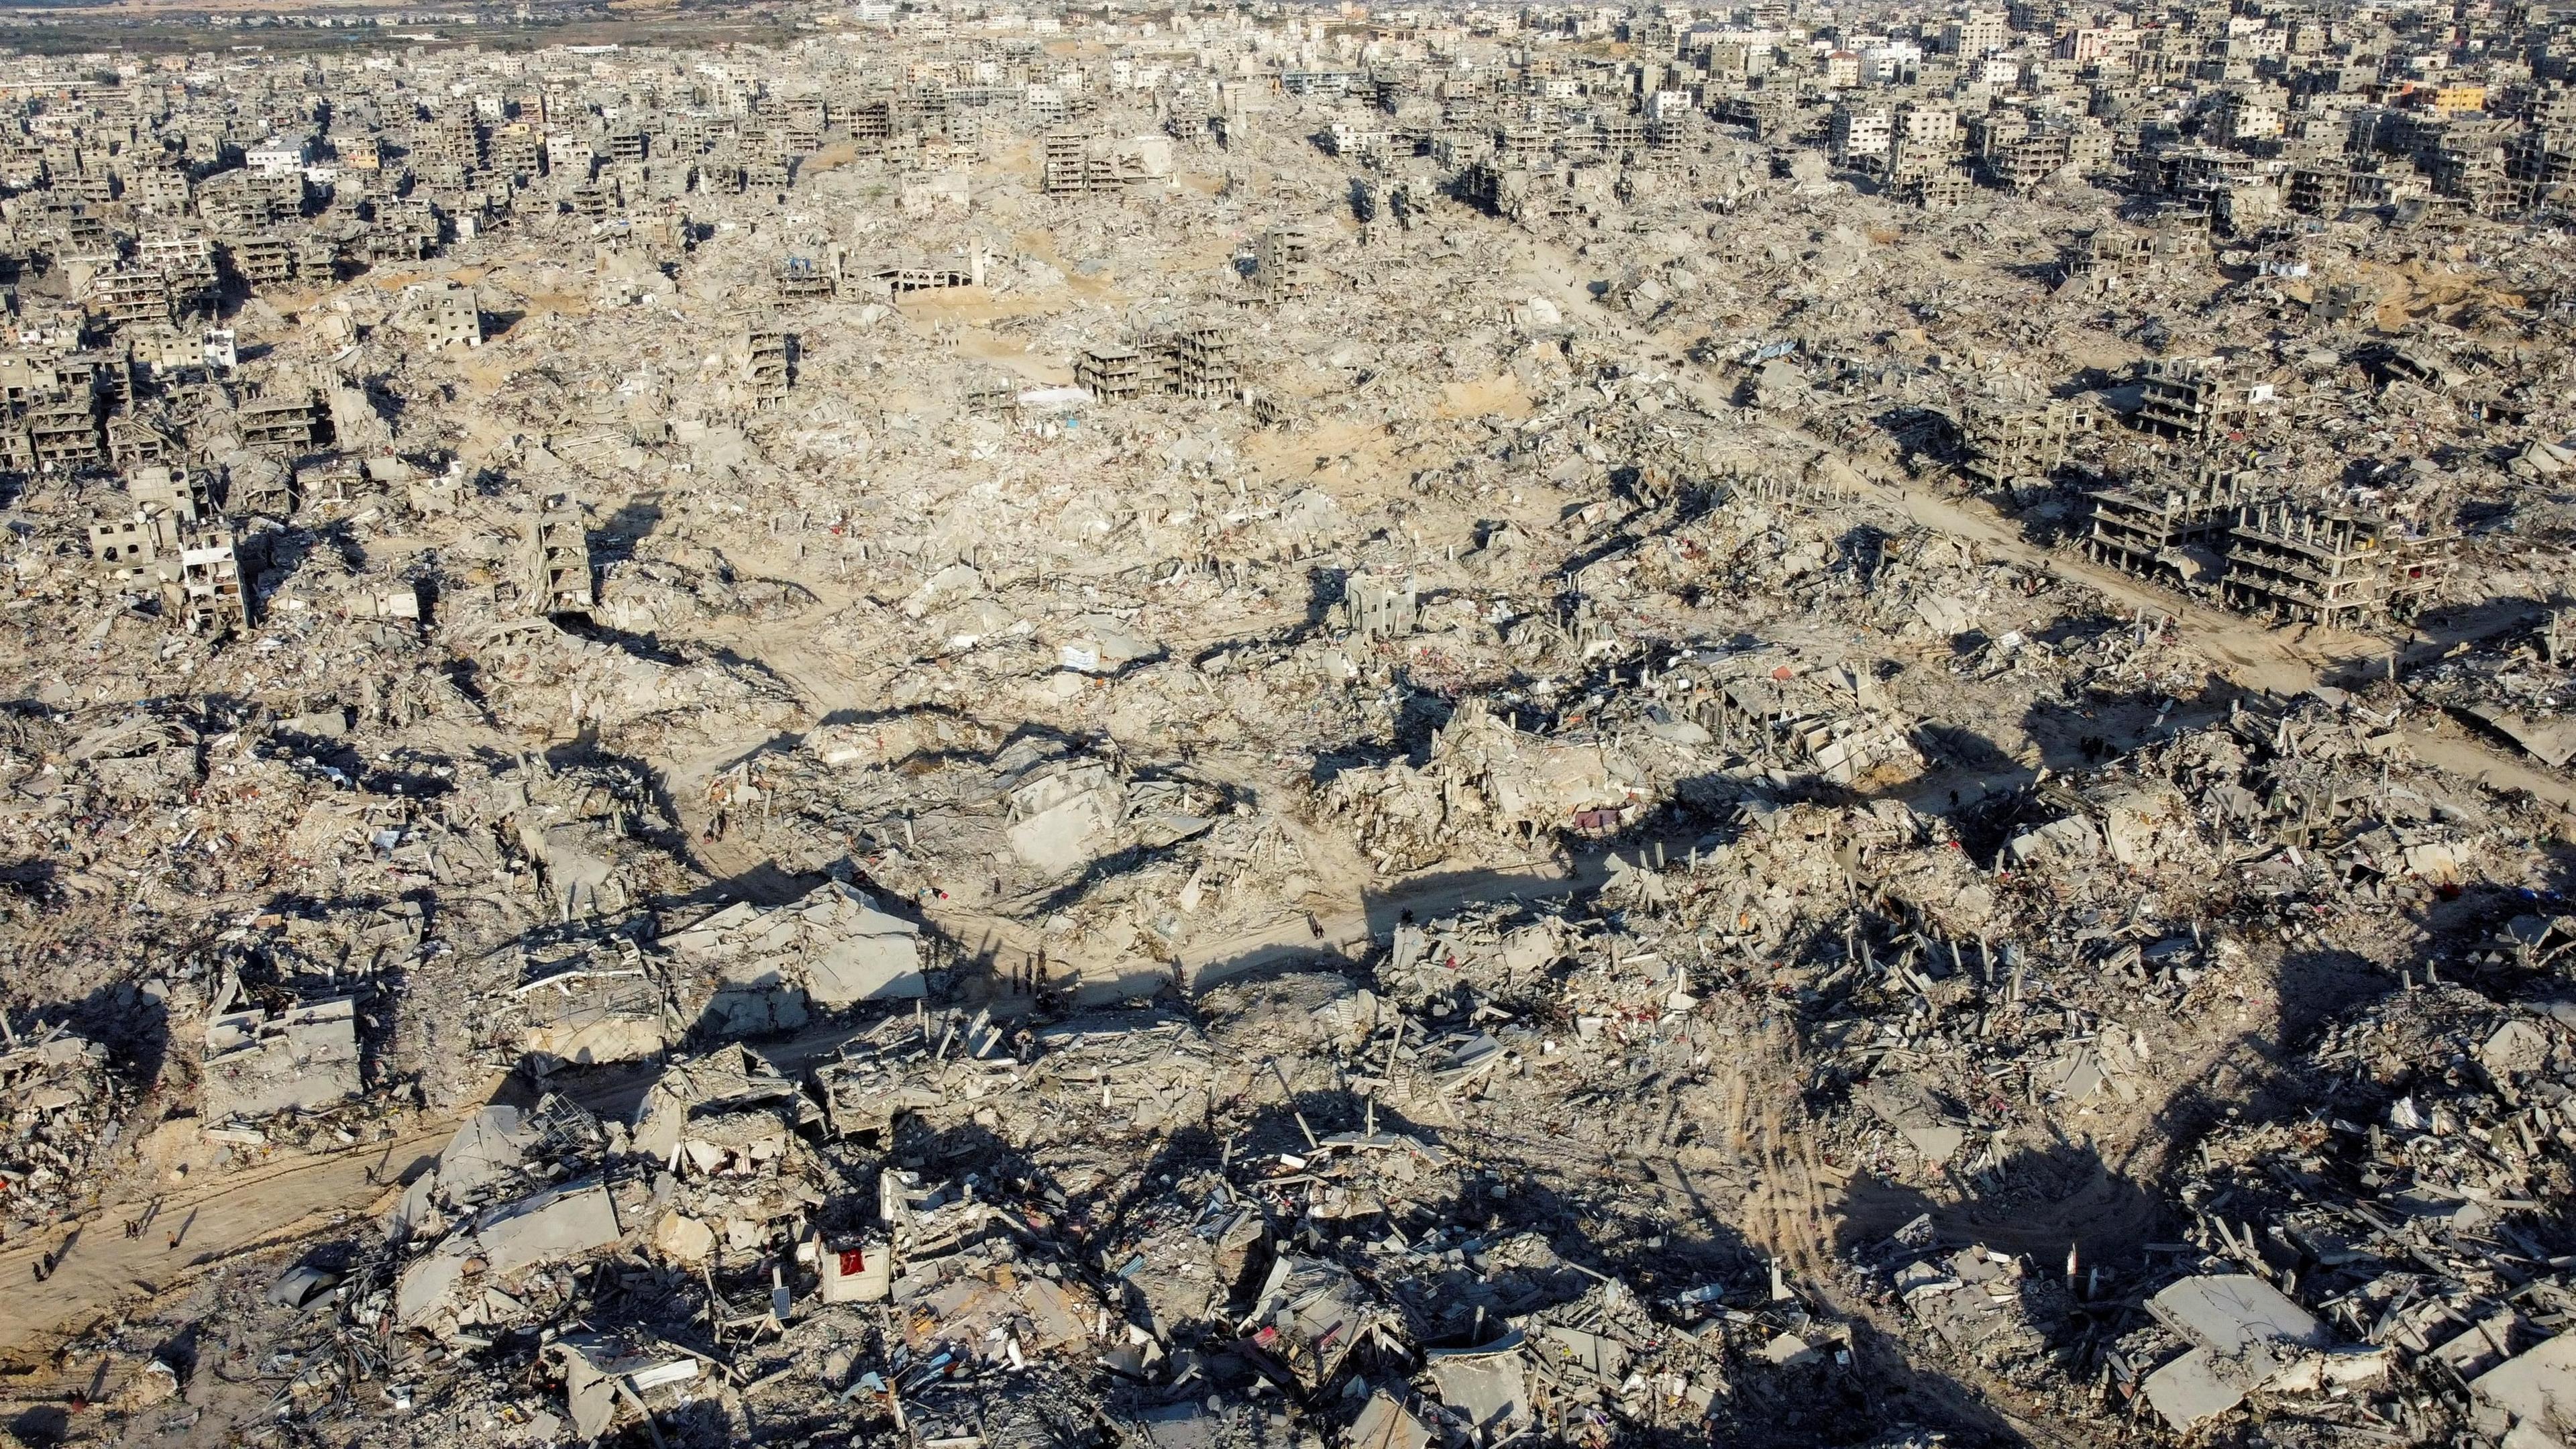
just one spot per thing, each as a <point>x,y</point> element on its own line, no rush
<point>1013,727</point>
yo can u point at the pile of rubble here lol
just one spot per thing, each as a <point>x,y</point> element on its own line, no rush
<point>2383,1261</point>
<point>1236,728</point>
<point>66,1105</point>
<point>739,1248</point>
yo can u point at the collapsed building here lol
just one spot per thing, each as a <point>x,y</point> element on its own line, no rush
<point>668,785</point>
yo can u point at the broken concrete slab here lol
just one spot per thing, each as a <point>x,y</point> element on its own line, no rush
<point>2535,1390</point>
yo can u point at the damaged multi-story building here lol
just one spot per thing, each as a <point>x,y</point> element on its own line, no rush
<point>1008,727</point>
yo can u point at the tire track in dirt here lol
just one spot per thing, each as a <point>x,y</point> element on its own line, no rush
<point>100,1269</point>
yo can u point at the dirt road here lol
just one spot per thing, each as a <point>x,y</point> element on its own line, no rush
<point>98,1267</point>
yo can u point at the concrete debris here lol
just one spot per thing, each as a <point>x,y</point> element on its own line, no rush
<point>832,949</point>
<point>293,1058</point>
<point>966,727</point>
<point>65,1101</point>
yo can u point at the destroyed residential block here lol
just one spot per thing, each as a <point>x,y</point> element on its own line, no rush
<point>585,1012</point>
<point>202,589</point>
<point>1377,610</point>
<point>2334,569</point>
<point>607,1382</point>
<point>798,279</point>
<point>1063,818</point>
<point>1307,1318</point>
<point>548,1226</point>
<point>558,551</point>
<point>2245,1334</point>
<point>2194,399</point>
<point>1073,162</point>
<point>131,295</point>
<point>2008,443</point>
<point>768,365</point>
<point>129,550</point>
<point>1194,361</point>
<point>2177,531</point>
<point>445,314</point>
<point>1284,263</point>
<point>871,1083</point>
<point>64,432</point>
<point>285,421</point>
<point>260,259</point>
<point>2533,1393</point>
<point>1348,914</point>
